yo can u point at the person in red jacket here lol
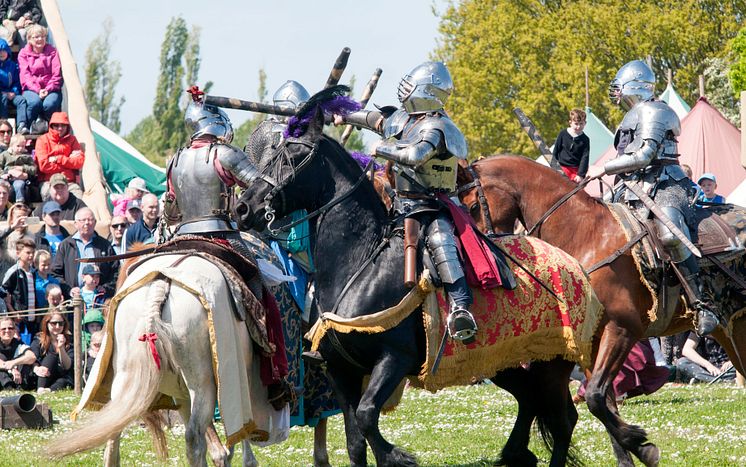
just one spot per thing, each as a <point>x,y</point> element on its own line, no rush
<point>58,151</point>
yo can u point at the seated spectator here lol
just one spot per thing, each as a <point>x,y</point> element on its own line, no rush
<point>42,278</point>
<point>6,132</point>
<point>143,230</point>
<point>90,356</point>
<point>93,321</point>
<point>134,212</point>
<point>708,183</point>
<point>50,237</point>
<point>58,152</point>
<point>19,167</point>
<point>136,188</point>
<point>41,80</point>
<point>53,348</point>
<point>117,227</point>
<point>704,360</point>
<point>5,204</point>
<point>59,192</point>
<point>17,283</point>
<point>16,358</point>
<point>90,292</point>
<point>85,243</point>
<point>54,296</point>
<point>20,16</point>
<point>19,217</point>
<point>10,86</point>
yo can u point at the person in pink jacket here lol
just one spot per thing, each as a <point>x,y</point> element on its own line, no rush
<point>41,80</point>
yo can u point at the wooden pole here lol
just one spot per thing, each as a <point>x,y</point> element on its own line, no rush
<point>587,93</point>
<point>78,345</point>
<point>669,75</point>
<point>743,129</point>
<point>367,92</point>
<point>701,85</point>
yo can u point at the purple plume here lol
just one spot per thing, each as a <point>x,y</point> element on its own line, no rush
<point>364,159</point>
<point>339,105</point>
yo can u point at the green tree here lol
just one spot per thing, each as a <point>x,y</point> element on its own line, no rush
<point>536,52</point>
<point>101,79</point>
<point>160,134</point>
<point>719,91</point>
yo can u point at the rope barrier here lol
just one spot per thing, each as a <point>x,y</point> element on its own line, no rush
<point>62,309</point>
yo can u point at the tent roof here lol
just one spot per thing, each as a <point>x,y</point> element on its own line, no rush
<point>675,101</point>
<point>121,162</point>
<point>600,136</point>
<point>708,143</point>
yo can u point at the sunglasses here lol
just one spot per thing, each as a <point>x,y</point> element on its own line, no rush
<point>57,323</point>
<point>6,132</point>
<point>118,226</point>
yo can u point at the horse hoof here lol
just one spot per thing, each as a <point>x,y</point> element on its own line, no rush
<point>650,455</point>
<point>522,459</point>
<point>400,458</point>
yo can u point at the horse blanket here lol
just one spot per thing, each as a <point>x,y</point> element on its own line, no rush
<point>514,326</point>
<point>241,396</point>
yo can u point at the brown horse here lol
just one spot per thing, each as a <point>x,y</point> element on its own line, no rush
<point>516,188</point>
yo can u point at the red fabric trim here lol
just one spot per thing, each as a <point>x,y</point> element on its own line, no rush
<point>151,337</point>
<point>480,266</point>
<point>273,368</point>
<point>571,172</point>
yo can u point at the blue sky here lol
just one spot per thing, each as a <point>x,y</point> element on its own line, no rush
<point>290,39</point>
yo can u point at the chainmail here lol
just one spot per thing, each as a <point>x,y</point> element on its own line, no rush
<point>262,142</point>
<point>669,193</point>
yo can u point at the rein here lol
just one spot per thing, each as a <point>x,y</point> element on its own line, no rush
<point>562,201</point>
<point>476,183</point>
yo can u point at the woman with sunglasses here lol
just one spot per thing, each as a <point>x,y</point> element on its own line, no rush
<point>16,358</point>
<point>54,354</point>
<point>6,132</point>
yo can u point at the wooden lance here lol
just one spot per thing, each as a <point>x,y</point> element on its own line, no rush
<point>238,104</point>
<point>338,69</point>
<point>530,129</point>
<point>367,92</point>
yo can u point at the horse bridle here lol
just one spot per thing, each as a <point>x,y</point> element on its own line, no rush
<point>476,183</point>
<point>277,187</point>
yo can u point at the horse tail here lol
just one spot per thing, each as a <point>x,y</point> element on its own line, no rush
<point>154,424</point>
<point>138,381</point>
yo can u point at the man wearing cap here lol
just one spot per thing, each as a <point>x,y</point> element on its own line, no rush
<point>58,151</point>
<point>85,243</point>
<point>143,230</point>
<point>59,192</point>
<point>53,233</point>
<point>708,183</point>
<point>134,211</point>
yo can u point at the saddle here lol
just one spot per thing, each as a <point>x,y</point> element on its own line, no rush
<point>240,272</point>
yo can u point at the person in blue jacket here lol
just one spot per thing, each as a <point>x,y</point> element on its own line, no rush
<point>10,86</point>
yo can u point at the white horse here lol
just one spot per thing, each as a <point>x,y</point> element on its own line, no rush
<point>179,319</point>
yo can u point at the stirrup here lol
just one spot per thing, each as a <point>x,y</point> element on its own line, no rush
<point>461,325</point>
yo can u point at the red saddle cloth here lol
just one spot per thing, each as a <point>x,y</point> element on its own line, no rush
<point>480,266</point>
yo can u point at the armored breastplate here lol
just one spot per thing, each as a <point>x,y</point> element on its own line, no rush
<point>437,173</point>
<point>199,191</point>
<point>652,120</point>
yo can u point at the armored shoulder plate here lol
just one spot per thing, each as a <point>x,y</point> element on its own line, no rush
<point>454,139</point>
<point>394,125</point>
<point>236,162</point>
<point>655,117</point>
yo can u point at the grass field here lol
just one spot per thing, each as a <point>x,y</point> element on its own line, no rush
<point>465,426</point>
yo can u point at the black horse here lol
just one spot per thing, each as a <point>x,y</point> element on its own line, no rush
<point>359,271</point>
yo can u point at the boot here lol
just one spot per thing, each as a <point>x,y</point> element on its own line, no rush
<point>707,320</point>
<point>312,357</point>
<point>461,325</point>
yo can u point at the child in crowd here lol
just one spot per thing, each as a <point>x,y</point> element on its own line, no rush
<point>43,264</point>
<point>92,321</point>
<point>572,148</point>
<point>18,167</point>
<point>90,292</point>
<point>709,184</point>
<point>136,188</point>
<point>97,339</point>
<point>18,282</point>
<point>10,85</point>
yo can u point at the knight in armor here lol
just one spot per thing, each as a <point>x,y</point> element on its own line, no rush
<point>200,180</point>
<point>425,146</point>
<point>268,134</point>
<point>647,154</point>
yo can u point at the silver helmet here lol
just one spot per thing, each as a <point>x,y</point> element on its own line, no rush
<point>291,94</point>
<point>633,83</point>
<point>204,119</point>
<point>426,88</point>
